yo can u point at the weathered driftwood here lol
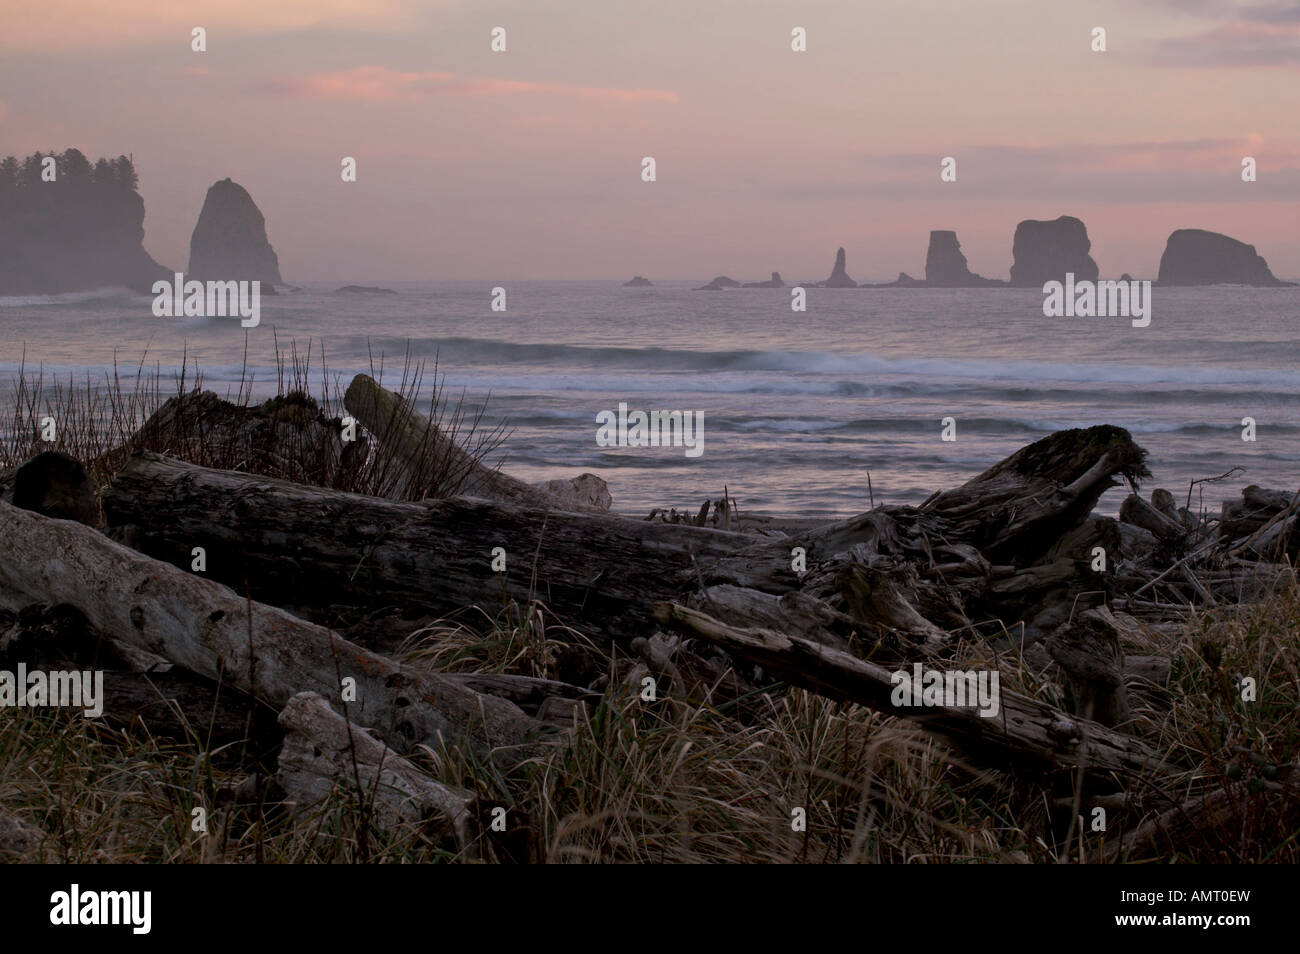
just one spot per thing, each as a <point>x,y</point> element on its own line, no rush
<point>428,458</point>
<point>1017,509</point>
<point>546,699</point>
<point>287,436</point>
<point>1165,526</point>
<point>261,650</point>
<point>1188,822</point>
<point>1089,652</point>
<point>1024,732</point>
<point>322,750</point>
<point>895,576</point>
<point>308,547</point>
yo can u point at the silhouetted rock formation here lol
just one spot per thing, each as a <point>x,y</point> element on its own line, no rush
<point>719,283</point>
<point>638,282</point>
<point>945,265</point>
<point>1198,257</point>
<point>903,280</point>
<point>1046,251</point>
<point>839,277</point>
<point>83,230</point>
<point>364,290</point>
<point>773,282</point>
<point>229,241</point>
<point>1126,277</point>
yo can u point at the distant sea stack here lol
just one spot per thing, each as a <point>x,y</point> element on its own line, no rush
<point>773,282</point>
<point>229,242</point>
<point>719,283</point>
<point>839,276</point>
<point>1198,257</point>
<point>83,229</point>
<point>945,265</point>
<point>1046,251</point>
<point>638,282</point>
<point>903,280</point>
<point>363,290</point>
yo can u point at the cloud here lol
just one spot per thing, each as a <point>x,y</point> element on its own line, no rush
<point>1247,34</point>
<point>378,84</point>
<point>1239,43</point>
<point>1268,11</point>
<point>1189,172</point>
<point>76,24</point>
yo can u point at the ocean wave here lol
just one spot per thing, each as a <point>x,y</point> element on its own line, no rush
<point>90,296</point>
<point>458,351</point>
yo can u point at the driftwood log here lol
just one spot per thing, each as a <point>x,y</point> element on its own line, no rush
<point>1025,731</point>
<point>426,457</point>
<point>260,650</point>
<point>311,548</point>
<point>323,750</point>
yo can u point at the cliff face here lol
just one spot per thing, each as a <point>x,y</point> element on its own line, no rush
<point>1045,251</point>
<point>229,241</point>
<point>839,276</point>
<point>1198,257</point>
<point>945,265</point>
<point>83,230</point>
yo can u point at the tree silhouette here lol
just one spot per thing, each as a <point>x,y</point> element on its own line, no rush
<point>73,165</point>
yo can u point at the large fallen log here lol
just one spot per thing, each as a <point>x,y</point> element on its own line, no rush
<point>261,650</point>
<point>906,572</point>
<point>309,547</point>
<point>1023,732</point>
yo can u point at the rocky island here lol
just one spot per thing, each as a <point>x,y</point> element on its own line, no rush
<point>1046,251</point>
<point>945,265</point>
<point>66,225</point>
<point>1198,257</point>
<point>364,290</point>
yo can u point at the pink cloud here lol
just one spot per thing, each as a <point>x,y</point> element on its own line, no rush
<point>1236,43</point>
<point>378,83</point>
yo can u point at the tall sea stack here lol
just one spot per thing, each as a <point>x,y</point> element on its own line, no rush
<point>945,265</point>
<point>1198,257</point>
<point>1045,251</point>
<point>839,276</point>
<point>229,242</point>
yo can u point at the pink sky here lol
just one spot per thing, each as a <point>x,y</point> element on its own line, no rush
<point>526,164</point>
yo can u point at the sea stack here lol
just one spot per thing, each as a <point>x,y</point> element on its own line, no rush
<point>1046,251</point>
<point>773,282</point>
<point>229,242</point>
<point>945,265</point>
<point>839,277</point>
<point>1198,257</point>
<point>638,282</point>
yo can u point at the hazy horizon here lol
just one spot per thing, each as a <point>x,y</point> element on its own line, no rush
<point>522,165</point>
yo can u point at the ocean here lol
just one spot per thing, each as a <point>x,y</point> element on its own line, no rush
<point>798,408</point>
